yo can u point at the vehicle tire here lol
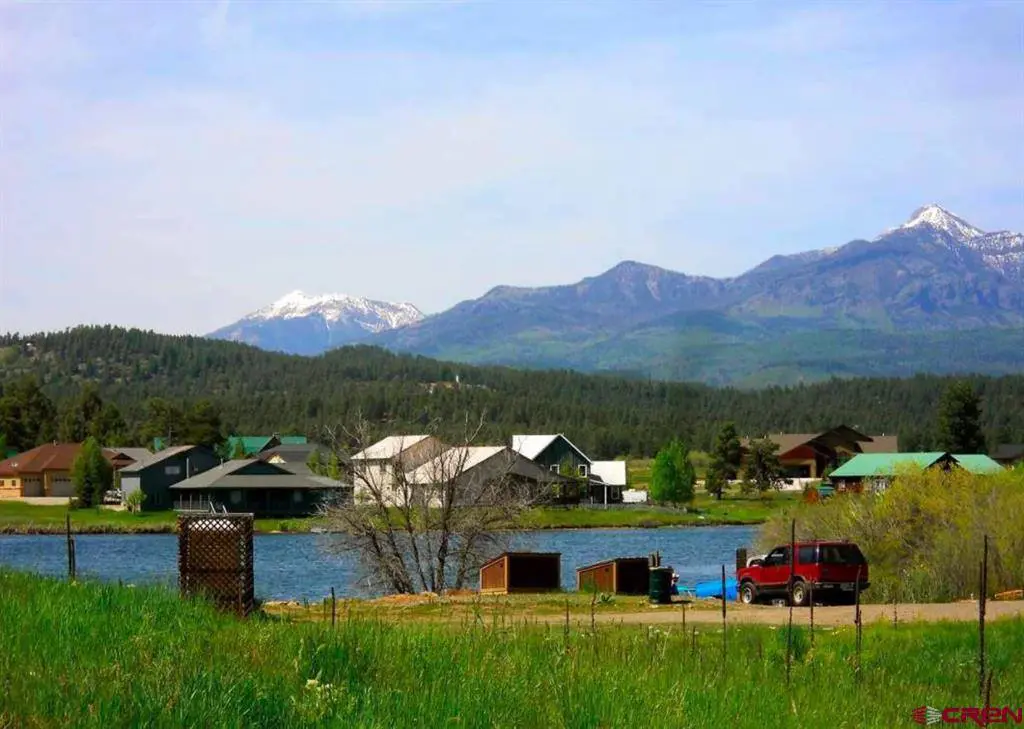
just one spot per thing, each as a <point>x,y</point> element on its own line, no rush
<point>748,593</point>
<point>798,595</point>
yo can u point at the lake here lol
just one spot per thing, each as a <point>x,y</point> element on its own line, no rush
<point>303,566</point>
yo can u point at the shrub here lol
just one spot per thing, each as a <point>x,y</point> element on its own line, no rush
<point>134,500</point>
<point>923,536</point>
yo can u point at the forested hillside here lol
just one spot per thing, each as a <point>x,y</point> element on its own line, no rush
<point>261,392</point>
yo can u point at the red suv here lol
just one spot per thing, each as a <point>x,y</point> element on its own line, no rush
<point>832,568</point>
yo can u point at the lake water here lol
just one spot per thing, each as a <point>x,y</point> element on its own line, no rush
<point>303,566</point>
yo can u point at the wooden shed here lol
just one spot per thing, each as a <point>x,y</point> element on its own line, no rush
<point>521,572</point>
<point>622,576</point>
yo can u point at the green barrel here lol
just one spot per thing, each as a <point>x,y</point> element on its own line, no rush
<point>661,585</point>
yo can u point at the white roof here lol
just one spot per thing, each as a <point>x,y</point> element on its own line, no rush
<point>453,462</point>
<point>531,446</point>
<point>390,447</point>
<point>612,473</point>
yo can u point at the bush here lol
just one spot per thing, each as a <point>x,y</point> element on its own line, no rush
<point>923,536</point>
<point>134,500</point>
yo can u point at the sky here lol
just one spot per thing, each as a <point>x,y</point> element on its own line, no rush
<point>176,165</point>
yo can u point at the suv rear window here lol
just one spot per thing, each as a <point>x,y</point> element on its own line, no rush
<point>841,554</point>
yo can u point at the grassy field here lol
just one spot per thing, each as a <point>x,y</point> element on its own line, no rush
<point>105,656</point>
<point>20,518</point>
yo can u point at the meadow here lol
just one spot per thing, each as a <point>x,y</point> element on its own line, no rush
<point>108,656</point>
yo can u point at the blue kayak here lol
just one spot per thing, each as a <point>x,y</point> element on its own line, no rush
<point>713,588</point>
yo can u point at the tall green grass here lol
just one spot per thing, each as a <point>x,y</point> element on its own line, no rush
<point>104,656</point>
<point>923,536</point>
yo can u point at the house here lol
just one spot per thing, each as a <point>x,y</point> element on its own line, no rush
<point>127,456</point>
<point>381,467</point>
<point>293,456</point>
<point>42,471</point>
<point>876,470</point>
<point>155,475</point>
<point>1008,454</point>
<point>553,452</point>
<point>605,480</point>
<point>253,486</point>
<point>471,469</point>
<point>809,455</point>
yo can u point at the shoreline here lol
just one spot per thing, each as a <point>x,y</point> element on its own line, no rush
<point>142,529</point>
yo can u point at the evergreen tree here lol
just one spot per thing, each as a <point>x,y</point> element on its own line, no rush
<point>76,423</point>
<point>960,420</point>
<point>203,426</point>
<point>763,470</point>
<point>726,460</point>
<point>334,467</point>
<point>109,427</point>
<point>91,473</point>
<point>238,451</point>
<point>162,420</point>
<point>314,464</point>
<point>672,475</point>
<point>27,416</point>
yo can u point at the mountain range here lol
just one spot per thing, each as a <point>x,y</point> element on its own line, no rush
<point>935,294</point>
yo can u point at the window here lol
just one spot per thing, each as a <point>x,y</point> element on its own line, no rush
<point>236,497</point>
<point>172,470</point>
<point>297,497</point>
<point>807,555</point>
<point>553,468</point>
<point>582,469</point>
<point>848,554</point>
<point>777,557</point>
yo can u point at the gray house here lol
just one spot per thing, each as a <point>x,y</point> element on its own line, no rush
<point>156,474</point>
<point>257,487</point>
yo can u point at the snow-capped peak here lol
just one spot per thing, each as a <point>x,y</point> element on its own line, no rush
<point>367,313</point>
<point>939,218</point>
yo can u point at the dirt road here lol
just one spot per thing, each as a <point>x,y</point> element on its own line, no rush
<point>832,616</point>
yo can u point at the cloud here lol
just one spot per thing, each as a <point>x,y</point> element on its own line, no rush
<point>222,171</point>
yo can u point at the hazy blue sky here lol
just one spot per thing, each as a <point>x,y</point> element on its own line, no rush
<point>175,165</point>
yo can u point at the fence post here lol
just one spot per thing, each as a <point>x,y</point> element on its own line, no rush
<point>71,548</point>
<point>334,608</point>
<point>982,596</point>
<point>857,620</point>
<point>725,644</point>
<point>789,590</point>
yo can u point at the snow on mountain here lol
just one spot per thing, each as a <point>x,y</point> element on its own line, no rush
<point>1003,251</point>
<point>373,316</point>
<point>939,218</point>
<point>301,324</point>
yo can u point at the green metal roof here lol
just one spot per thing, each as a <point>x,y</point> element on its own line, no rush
<point>977,463</point>
<point>292,439</point>
<point>884,464</point>
<point>251,444</point>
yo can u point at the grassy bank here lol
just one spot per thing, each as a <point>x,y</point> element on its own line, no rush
<point>104,656</point>
<point>21,518</point>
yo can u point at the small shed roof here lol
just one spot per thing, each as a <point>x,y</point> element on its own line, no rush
<point>390,447</point>
<point>292,440</point>
<point>1009,452</point>
<point>884,464</point>
<point>521,554</point>
<point>251,443</point>
<point>977,463</point>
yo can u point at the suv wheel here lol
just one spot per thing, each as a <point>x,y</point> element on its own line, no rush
<point>798,595</point>
<point>748,593</point>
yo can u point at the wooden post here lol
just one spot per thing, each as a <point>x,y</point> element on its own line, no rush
<point>71,548</point>
<point>725,645</point>
<point>334,608</point>
<point>982,596</point>
<point>812,612</point>
<point>789,590</point>
<point>857,620</point>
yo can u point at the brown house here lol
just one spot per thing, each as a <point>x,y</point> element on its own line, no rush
<point>808,455</point>
<point>44,470</point>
